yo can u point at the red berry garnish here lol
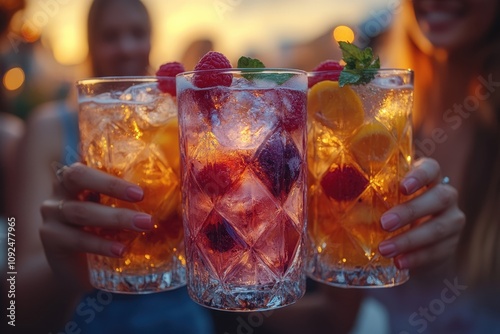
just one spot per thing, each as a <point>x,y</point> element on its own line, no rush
<point>215,179</point>
<point>209,99</point>
<point>220,235</point>
<point>344,184</point>
<point>293,104</point>
<point>278,165</point>
<point>210,61</point>
<point>328,65</point>
<point>332,71</point>
<point>167,72</point>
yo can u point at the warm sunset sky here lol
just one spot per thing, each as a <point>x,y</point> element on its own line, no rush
<point>236,26</point>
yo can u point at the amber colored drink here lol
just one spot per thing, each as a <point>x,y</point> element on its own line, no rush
<point>244,148</point>
<point>359,148</point>
<point>128,128</point>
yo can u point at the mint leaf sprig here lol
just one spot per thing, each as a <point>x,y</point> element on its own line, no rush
<point>251,64</point>
<point>358,64</point>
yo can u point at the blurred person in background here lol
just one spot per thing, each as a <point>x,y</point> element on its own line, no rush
<point>52,275</point>
<point>454,48</point>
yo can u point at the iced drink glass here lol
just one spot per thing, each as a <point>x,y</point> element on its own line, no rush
<point>359,148</point>
<point>244,188</point>
<point>128,128</point>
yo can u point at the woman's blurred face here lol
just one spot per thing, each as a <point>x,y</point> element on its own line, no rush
<point>455,24</point>
<point>121,42</point>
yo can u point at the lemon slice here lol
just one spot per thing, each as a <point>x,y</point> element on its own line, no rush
<point>338,108</point>
<point>371,146</point>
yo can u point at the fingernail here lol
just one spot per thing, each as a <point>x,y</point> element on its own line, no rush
<point>134,193</point>
<point>387,249</point>
<point>410,184</point>
<point>389,221</point>
<point>402,263</point>
<point>117,249</point>
<point>143,222</point>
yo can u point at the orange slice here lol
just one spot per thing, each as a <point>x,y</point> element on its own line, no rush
<point>167,138</point>
<point>371,146</point>
<point>338,108</point>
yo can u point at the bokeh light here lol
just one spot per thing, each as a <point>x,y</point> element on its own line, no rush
<point>13,78</point>
<point>30,33</point>
<point>343,33</point>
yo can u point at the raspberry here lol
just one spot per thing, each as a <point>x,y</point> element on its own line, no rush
<point>344,184</point>
<point>215,179</point>
<point>210,61</point>
<point>167,72</point>
<point>219,233</point>
<point>328,65</point>
<point>293,104</point>
<point>333,67</point>
<point>279,165</point>
<point>208,100</point>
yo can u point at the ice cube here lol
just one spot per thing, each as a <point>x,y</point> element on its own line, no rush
<point>101,98</point>
<point>265,83</point>
<point>249,207</point>
<point>388,82</point>
<point>122,151</point>
<point>298,82</point>
<point>146,92</point>
<point>254,80</point>
<point>158,111</point>
<point>240,82</point>
<point>245,120</point>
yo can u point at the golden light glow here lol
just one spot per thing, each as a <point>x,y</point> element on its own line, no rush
<point>13,78</point>
<point>343,33</point>
<point>67,49</point>
<point>230,24</point>
<point>30,33</point>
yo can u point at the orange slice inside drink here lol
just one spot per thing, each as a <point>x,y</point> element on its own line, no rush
<point>371,146</point>
<point>338,108</point>
<point>167,139</point>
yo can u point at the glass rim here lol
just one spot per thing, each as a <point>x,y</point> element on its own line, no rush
<point>108,79</point>
<point>371,70</point>
<point>237,70</point>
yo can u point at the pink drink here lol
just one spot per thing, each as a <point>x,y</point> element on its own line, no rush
<point>243,149</point>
